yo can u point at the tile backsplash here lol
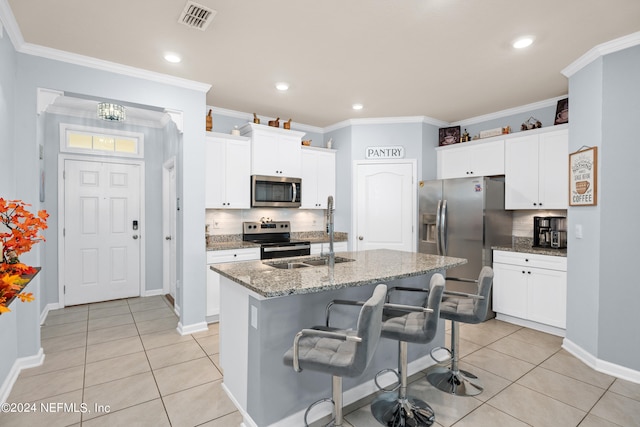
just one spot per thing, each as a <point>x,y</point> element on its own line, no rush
<point>523,221</point>
<point>228,221</point>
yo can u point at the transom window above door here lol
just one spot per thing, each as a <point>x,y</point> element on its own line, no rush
<point>100,142</point>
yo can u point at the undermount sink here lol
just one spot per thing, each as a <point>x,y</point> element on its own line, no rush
<point>315,262</point>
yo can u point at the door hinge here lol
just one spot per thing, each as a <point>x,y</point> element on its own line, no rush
<point>64,289</point>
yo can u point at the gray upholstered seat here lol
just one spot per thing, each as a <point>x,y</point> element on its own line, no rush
<point>341,353</point>
<point>465,308</point>
<point>419,325</point>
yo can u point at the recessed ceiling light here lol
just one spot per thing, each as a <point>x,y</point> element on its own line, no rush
<point>357,106</point>
<point>523,42</point>
<point>172,57</point>
<point>282,86</point>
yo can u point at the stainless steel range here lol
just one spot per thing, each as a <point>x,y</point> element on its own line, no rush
<point>274,238</point>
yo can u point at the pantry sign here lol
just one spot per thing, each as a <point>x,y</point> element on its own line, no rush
<point>583,177</point>
<point>394,152</point>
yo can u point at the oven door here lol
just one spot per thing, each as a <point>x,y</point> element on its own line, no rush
<point>275,192</point>
<point>284,250</point>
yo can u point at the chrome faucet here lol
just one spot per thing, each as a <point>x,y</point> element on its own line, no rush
<point>330,230</point>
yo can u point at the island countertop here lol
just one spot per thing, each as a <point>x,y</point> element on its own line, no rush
<point>367,267</point>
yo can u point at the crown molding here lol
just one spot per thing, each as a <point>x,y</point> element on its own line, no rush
<point>600,50</point>
<point>249,118</point>
<point>386,121</point>
<point>90,115</point>
<point>10,24</point>
<point>510,111</point>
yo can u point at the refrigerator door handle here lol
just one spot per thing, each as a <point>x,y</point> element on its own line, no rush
<point>438,230</point>
<point>443,228</point>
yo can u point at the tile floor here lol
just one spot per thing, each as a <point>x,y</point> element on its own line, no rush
<point>126,356</point>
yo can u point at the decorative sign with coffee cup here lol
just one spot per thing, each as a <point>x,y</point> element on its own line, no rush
<point>583,177</point>
<point>448,136</point>
<point>562,112</point>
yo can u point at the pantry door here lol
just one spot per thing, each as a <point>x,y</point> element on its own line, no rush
<point>102,231</point>
<point>385,210</point>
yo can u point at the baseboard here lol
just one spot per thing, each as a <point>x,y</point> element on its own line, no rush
<point>47,309</point>
<point>599,364</point>
<point>213,319</point>
<point>190,329</point>
<point>531,325</point>
<point>153,292</point>
<point>18,366</point>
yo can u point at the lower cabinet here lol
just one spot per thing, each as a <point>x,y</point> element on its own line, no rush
<point>530,287</point>
<point>323,248</point>
<point>213,278</point>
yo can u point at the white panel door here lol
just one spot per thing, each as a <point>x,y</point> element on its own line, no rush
<point>101,248</point>
<point>385,206</point>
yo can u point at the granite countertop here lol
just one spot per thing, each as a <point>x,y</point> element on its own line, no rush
<point>368,267</point>
<point>524,244</point>
<point>234,241</point>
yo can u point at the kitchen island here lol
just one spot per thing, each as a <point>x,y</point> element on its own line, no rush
<point>263,307</point>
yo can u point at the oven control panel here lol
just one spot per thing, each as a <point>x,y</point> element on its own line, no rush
<point>266,227</point>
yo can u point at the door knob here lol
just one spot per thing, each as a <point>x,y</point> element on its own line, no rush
<point>360,237</point>
<point>135,237</point>
<point>167,238</point>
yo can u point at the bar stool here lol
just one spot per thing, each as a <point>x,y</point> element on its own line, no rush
<point>419,325</point>
<point>339,352</point>
<point>466,308</point>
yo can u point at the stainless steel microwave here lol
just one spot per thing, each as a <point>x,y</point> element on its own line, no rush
<point>275,191</point>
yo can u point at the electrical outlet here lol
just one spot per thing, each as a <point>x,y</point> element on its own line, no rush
<point>578,231</point>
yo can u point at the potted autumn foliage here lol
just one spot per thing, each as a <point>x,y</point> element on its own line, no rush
<point>18,233</point>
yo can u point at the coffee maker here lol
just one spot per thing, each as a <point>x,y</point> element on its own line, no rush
<point>550,232</point>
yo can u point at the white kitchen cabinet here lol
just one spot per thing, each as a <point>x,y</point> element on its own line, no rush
<point>323,248</point>
<point>477,158</point>
<point>274,151</point>
<point>530,287</point>
<point>228,172</point>
<point>537,171</point>
<point>318,177</point>
<point>213,278</point>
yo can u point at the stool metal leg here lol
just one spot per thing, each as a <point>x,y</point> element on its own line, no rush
<point>400,410</point>
<point>454,380</point>
<point>335,399</point>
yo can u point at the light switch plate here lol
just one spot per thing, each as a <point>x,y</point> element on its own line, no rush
<point>578,231</point>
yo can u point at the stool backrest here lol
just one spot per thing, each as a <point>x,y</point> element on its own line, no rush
<point>485,281</point>
<point>368,328</point>
<point>430,326</point>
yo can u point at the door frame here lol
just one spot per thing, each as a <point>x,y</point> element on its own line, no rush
<point>166,227</point>
<point>62,158</point>
<point>354,199</point>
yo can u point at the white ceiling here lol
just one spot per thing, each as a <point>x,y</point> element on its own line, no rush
<point>446,59</point>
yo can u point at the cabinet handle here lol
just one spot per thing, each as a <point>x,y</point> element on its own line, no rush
<point>522,271</point>
<point>526,259</point>
<point>528,272</point>
<point>535,204</point>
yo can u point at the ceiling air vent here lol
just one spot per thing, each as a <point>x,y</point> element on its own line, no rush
<point>196,15</point>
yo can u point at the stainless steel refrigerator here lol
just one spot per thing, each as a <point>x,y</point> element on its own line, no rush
<point>464,218</point>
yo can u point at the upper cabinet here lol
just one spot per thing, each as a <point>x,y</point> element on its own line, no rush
<point>476,158</point>
<point>318,177</point>
<point>227,172</point>
<point>537,171</point>
<point>274,151</point>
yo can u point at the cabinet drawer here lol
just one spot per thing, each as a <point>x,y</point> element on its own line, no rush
<point>531,260</point>
<point>233,255</point>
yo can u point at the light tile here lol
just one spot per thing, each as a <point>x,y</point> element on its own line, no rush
<point>560,387</point>
<point>626,388</point>
<point>465,347</point>
<point>522,350</point>
<point>145,304</point>
<point>149,326</point>
<point>361,417</point>
<point>492,384</point>
<point>110,334</point>
<point>115,348</point>
<point>156,313</point>
<point>66,342</point>
<point>198,405</point>
<point>116,368</point>
<point>163,338</point>
<point>215,358</point>
<point>38,387</point>
<point>210,344</point>
<point>447,407</point>
<point>618,409</point>
<point>150,413</point>
<point>538,338</point>
<point>232,419</point>
<point>69,310</point>
<point>176,353</point>
<point>191,373</point>
<point>566,364</point>
<point>212,329</point>
<point>107,304</point>
<point>487,415</point>
<point>64,329</point>
<point>108,311</point>
<point>110,321</point>
<point>120,394</point>
<point>57,361</point>
<point>593,421</point>
<point>47,412</point>
<point>498,363</point>
<point>535,408</point>
<point>74,316</point>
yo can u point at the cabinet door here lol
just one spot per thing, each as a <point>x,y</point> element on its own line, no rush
<point>453,163</point>
<point>521,173</point>
<point>326,178</point>
<point>547,296</point>
<point>309,198</point>
<point>238,175</point>
<point>510,290</point>
<point>264,154</point>
<point>487,159</point>
<point>215,173</point>
<point>289,156</point>
<point>554,170</point>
